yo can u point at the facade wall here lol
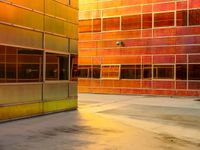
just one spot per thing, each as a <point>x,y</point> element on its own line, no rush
<point>38,57</point>
<point>140,47</point>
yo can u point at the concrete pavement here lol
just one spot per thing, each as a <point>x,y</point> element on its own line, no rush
<point>110,122</point>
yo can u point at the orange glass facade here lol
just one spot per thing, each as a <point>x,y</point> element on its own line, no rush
<point>155,44</point>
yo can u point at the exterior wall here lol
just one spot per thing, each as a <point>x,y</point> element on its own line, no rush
<point>162,35</point>
<point>38,57</point>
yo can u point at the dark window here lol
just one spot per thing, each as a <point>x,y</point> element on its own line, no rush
<point>194,17</point>
<point>63,67</point>
<point>164,19</point>
<point>85,26</point>
<point>110,71</point>
<point>29,65</point>
<point>74,68</point>
<point>146,71</point>
<point>181,72</point>
<point>57,67</point>
<point>147,21</point>
<point>194,72</point>
<point>2,64</point>
<point>163,72</point>
<point>84,71</point>
<point>131,72</point>
<point>181,18</point>
<point>131,22</point>
<point>111,24</point>
<point>52,64</point>
<point>96,71</point>
<point>96,25</point>
<point>2,72</point>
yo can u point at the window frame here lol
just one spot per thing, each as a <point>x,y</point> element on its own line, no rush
<point>108,78</point>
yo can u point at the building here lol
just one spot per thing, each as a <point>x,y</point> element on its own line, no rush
<point>139,47</point>
<point>38,57</point>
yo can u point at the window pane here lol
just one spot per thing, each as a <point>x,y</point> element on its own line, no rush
<point>147,72</point>
<point>96,71</point>
<point>164,19</point>
<point>163,72</point>
<point>181,18</point>
<point>52,64</point>
<point>64,63</point>
<point>147,21</point>
<point>131,22</point>
<point>2,72</point>
<point>181,72</point>
<point>84,71</point>
<point>111,72</point>
<point>194,17</point>
<point>131,72</point>
<point>30,65</point>
<point>29,72</point>
<point>74,68</point>
<point>194,72</point>
<point>111,24</point>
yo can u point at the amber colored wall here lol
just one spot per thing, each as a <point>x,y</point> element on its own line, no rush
<point>174,41</point>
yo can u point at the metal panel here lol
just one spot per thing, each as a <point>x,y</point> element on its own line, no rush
<point>18,36</point>
<point>34,4</point>
<point>19,16</point>
<point>54,25</point>
<point>73,89</point>
<point>56,43</point>
<point>10,94</point>
<point>56,91</point>
<point>71,30</point>
<point>73,46</point>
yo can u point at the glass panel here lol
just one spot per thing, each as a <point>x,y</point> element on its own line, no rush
<point>110,72</point>
<point>64,64</point>
<point>194,17</point>
<point>194,71</point>
<point>131,22</point>
<point>52,64</point>
<point>111,24</point>
<point>56,43</point>
<point>97,25</point>
<point>30,65</point>
<point>147,72</point>
<point>74,68</point>
<point>2,72</point>
<point>147,21</point>
<point>29,72</point>
<point>181,18</point>
<point>96,72</point>
<point>130,71</point>
<point>73,46</point>
<point>164,19</point>
<point>181,72</point>
<point>163,72</point>
<point>85,26</point>
<point>84,71</point>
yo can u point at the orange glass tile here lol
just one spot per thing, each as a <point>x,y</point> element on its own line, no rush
<point>147,8</point>
<point>194,58</point>
<point>111,24</point>
<point>165,32</point>
<point>181,58</point>
<point>146,59</point>
<point>131,22</point>
<point>84,60</point>
<point>164,59</point>
<point>163,84</point>
<point>181,84</point>
<point>194,4</point>
<point>164,7</point>
<point>181,5</point>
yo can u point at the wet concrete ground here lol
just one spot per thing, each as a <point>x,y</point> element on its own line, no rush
<point>110,122</point>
